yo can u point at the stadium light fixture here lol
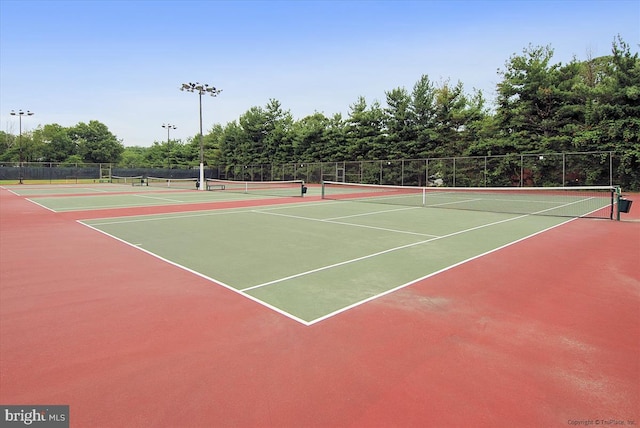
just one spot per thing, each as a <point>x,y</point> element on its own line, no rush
<point>20,113</point>
<point>169,128</point>
<point>201,89</point>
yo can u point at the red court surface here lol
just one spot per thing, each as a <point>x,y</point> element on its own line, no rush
<point>543,333</point>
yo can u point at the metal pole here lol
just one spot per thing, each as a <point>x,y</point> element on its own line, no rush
<point>169,128</point>
<point>485,171</point>
<point>20,113</point>
<point>454,172</point>
<point>202,186</point>
<point>610,168</point>
<point>201,89</point>
<point>20,145</point>
<point>426,173</point>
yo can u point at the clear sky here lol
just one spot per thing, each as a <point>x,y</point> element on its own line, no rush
<point>122,62</point>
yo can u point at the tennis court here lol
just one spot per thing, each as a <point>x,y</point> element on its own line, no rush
<point>154,192</point>
<point>313,260</point>
<point>371,306</point>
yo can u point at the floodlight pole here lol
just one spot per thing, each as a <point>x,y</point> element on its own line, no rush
<point>20,113</point>
<point>201,88</point>
<point>169,128</point>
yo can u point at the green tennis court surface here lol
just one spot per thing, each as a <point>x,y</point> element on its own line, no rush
<point>71,189</point>
<point>63,198</point>
<point>78,203</point>
<point>310,260</point>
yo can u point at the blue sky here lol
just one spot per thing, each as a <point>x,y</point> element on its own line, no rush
<point>122,62</point>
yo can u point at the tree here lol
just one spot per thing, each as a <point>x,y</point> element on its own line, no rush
<point>133,157</point>
<point>95,143</point>
<point>278,133</point>
<point>400,124</point>
<point>8,147</point>
<point>310,138</point>
<point>527,101</point>
<point>619,112</point>
<point>58,145</point>
<point>365,132</point>
<point>456,119</point>
<point>231,137</point>
<point>423,113</point>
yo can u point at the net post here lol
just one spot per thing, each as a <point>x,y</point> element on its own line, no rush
<point>201,165</point>
<point>322,192</point>
<point>618,195</point>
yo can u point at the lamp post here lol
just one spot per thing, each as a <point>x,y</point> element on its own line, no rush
<point>201,88</point>
<point>169,128</point>
<point>20,113</point>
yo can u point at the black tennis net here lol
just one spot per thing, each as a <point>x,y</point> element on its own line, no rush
<point>132,180</point>
<point>176,183</point>
<point>584,201</point>
<point>267,188</point>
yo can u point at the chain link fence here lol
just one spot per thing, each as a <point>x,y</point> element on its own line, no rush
<point>517,170</point>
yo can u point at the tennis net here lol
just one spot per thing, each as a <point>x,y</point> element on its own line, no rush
<point>267,188</point>
<point>586,201</point>
<point>133,180</point>
<point>177,183</point>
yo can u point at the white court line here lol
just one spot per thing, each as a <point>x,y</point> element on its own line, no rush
<point>199,213</point>
<point>435,195</point>
<point>384,229</point>
<point>177,216</point>
<point>463,201</point>
<point>138,247</point>
<point>160,199</point>
<point>371,213</point>
<point>395,249</point>
<point>357,259</point>
<point>40,205</point>
<point>9,190</point>
<point>392,290</point>
<point>329,315</point>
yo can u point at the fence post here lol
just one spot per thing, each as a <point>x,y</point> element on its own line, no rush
<point>426,182</point>
<point>610,168</point>
<point>485,171</point>
<point>454,171</point>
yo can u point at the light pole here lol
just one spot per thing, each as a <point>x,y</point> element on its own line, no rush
<point>201,88</point>
<point>20,113</point>
<point>169,128</point>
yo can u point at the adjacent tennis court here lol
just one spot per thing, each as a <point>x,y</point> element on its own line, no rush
<point>152,192</point>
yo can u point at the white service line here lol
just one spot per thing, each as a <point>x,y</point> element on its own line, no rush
<point>160,199</point>
<point>348,224</point>
<point>380,253</point>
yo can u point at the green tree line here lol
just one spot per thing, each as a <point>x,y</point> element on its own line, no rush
<point>541,107</point>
